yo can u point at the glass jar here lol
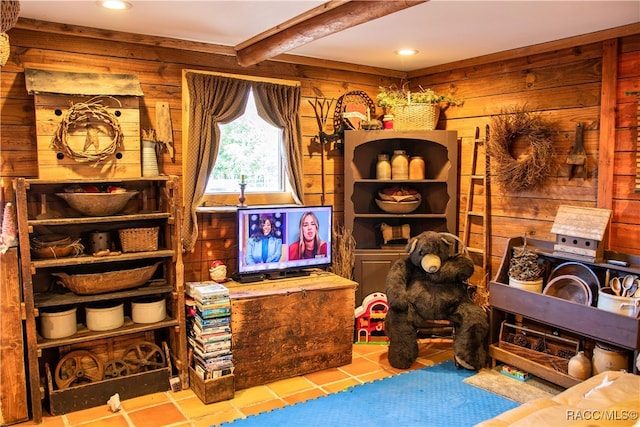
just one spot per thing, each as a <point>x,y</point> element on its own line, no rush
<point>383,167</point>
<point>387,121</point>
<point>399,165</point>
<point>416,167</point>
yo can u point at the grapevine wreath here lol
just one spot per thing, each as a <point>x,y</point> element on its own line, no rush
<point>87,114</point>
<point>530,169</point>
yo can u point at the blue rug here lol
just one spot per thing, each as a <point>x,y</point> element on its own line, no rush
<point>432,396</point>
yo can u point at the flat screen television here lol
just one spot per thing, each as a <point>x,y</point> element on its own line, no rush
<point>282,241</point>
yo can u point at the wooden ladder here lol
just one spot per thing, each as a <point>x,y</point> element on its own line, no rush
<point>479,180</point>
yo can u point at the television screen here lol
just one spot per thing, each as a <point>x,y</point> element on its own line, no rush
<point>283,241</point>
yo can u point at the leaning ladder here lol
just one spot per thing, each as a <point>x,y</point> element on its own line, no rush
<point>479,185</point>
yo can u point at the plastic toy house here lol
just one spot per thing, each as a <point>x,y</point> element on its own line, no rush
<point>370,319</point>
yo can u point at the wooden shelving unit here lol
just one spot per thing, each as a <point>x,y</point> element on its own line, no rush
<point>564,318</point>
<point>39,211</point>
<point>437,212</point>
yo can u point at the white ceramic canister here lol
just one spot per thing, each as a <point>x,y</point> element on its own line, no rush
<point>383,167</point>
<point>607,358</point>
<point>626,306</point>
<point>527,285</point>
<point>148,309</point>
<point>399,165</point>
<point>104,316</point>
<point>58,323</point>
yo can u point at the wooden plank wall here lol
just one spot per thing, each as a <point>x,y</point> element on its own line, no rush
<point>563,84</point>
<point>159,69</point>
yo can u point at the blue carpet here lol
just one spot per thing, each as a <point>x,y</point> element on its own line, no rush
<point>432,396</point>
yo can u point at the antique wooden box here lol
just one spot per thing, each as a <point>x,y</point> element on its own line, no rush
<point>289,327</point>
<point>212,390</point>
<point>95,118</point>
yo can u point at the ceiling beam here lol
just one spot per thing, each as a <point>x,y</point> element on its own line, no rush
<point>315,24</point>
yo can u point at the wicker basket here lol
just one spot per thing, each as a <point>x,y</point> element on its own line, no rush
<point>416,117</point>
<point>5,49</point>
<point>9,13</point>
<point>139,239</point>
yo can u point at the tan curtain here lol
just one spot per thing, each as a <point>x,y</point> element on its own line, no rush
<point>279,105</point>
<point>213,99</point>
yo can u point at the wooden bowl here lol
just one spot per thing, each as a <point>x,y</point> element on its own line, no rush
<point>398,207</point>
<point>97,204</point>
<point>97,283</point>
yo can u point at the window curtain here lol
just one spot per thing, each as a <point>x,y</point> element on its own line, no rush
<point>279,106</point>
<point>212,100</point>
<point>217,99</point>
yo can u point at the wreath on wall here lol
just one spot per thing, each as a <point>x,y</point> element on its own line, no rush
<point>528,170</point>
<point>94,117</point>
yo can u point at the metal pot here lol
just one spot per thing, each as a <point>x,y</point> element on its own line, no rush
<point>98,241</point>
<point>626,306</point>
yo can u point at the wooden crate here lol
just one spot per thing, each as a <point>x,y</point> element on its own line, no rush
<point>289,327</point>
<point>92,394</point>
<point>213,390</point>
<point>55,92</point>
<point>540,347</point>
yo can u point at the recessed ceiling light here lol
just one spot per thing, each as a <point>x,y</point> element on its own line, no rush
<point>406,52</point>
<point>115,4</point>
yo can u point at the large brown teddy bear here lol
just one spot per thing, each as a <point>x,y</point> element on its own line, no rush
<point>431,284</point>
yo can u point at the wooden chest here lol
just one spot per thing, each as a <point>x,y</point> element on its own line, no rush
<point>289,327</point>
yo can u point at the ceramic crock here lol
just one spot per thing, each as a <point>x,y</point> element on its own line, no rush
<point>58,323</point>
<point>148,309</point>
<point>527,285</point>
<point>626,306</point>
<point>105,316</point>
<point>609,359</point>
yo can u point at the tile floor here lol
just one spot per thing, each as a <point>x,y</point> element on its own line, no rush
<point>184,408</point>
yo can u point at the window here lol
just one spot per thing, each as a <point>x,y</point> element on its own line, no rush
<point>211,99</point>
<point>250,150</point>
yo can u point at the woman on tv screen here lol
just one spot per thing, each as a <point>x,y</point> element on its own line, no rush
<point>308,245</point>
<point>263,246</point>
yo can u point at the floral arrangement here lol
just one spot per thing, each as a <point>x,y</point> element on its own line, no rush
<point>391,96</point>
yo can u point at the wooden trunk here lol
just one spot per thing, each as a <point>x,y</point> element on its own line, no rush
<point>290,327</point>
<point>13,382</point>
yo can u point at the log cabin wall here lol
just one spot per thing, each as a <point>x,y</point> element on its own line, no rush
<point>159,69</point>
<point>563,84</point>
<point>566,86</point>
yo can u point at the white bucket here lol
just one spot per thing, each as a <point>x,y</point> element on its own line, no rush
<point>105,316</point>
<point>148,310</point>
<point>626,306</point>
<point>58,324</point>
<point>527,285</point>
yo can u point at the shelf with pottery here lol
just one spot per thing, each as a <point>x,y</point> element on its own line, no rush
<point>371,190</point>
<point>90,302</point>
<point>563,317</point>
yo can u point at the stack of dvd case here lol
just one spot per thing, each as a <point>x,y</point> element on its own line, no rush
<point>209,329</point>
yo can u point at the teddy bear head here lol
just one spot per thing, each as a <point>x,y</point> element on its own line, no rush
<point>430,249</point>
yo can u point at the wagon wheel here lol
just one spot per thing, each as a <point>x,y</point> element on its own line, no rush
<point>115,368</point>
<point>144,356</point>
<point>78,367</point>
